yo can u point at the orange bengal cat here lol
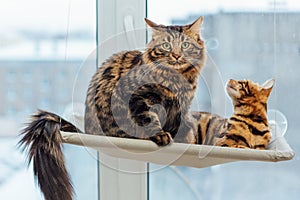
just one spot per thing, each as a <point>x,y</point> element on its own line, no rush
<point>248,126</point>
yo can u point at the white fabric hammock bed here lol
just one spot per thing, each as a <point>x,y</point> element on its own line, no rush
<point>198,156</point>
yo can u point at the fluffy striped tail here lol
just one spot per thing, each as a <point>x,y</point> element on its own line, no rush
<point>43,139</point>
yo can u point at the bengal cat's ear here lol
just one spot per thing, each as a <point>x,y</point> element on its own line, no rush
<point>195,27</point>
<point>267,87</point>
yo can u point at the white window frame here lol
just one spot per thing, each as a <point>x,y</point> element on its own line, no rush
<point>121,179</point>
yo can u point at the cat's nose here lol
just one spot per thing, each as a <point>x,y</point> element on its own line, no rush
<point>176,56</point>
<point>231,81</point>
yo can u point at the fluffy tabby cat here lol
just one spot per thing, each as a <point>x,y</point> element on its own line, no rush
<point>248,126</point>
<point>133,94</point>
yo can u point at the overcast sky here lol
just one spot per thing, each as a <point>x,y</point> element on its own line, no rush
<point>41,14</point>
<point>46,14</point>
<point>162,11</point>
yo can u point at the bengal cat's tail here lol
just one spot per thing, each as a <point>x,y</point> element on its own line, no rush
<point>43,139</point>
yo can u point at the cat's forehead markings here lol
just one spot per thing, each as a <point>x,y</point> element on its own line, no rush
<point>173,31</point>
<point>182,38</point>
<point>168,38</point>
<point>175,28</point>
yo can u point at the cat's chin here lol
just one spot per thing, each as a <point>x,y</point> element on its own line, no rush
<point>179,66</point>
<point>232,92</point>
<point>175,66</point>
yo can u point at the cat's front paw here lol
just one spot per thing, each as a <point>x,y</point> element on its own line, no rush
<point>162,138</point>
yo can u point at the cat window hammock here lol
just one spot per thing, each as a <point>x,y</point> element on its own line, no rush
<point>190,155</point>
<point>198,156</point>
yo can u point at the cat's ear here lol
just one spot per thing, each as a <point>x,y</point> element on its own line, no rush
<point>267,86</point>
<point>196,25</point>
<point>155,27</point>
<point>151,23</point>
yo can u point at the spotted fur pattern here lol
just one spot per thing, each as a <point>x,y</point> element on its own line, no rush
<point>248,126</point>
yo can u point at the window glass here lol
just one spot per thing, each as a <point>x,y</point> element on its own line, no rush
<point>44,45</point>
<point>255,40</point>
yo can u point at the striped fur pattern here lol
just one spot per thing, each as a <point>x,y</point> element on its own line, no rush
<point>248,126</point>
<point>134,94</point>
<point>124,93</point>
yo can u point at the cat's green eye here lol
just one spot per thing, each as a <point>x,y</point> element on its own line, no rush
<point>166,46</point>
<point>185,45</point>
